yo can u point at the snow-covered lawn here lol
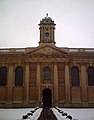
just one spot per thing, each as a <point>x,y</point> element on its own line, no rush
<point>16,114</point>
<point>79,114</point>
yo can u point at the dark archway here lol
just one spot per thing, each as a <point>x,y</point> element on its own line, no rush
<point>47,98</point>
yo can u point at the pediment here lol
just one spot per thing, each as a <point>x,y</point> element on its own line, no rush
<point>47,50</point>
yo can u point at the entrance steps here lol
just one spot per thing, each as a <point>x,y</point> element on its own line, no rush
<point>47,114</point>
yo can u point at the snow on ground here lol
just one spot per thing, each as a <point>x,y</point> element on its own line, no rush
<point>16,114</point>
<point>79,114</point>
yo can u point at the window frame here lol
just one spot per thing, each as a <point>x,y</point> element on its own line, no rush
<point>18,72</point>
<point>90,76</point>
<point>75,77</point>
<point>3,76</point>
<point>47,73</point>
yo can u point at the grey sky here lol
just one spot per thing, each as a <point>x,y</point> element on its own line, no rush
<point>19,21</point>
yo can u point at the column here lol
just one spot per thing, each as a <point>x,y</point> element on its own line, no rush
<point>41,33</point>
<point>10,84</point>
<point>67,83</point>
<point>38,80</point>
<point>27,83</point>
<point>55,82</point>
<point>52,33</point>
<point>83,83</point>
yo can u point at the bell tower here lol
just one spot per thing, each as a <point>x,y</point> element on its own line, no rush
<point>47,30</point>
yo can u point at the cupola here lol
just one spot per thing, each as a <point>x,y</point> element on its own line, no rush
<point>47,30</point>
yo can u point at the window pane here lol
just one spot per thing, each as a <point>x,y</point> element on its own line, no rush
<point>47,75</point>
<point>3,76</point>
<point>46,37</point>
<point>75,76</point>
<point>19,76</point>
<point>46,34</point>
<point>91,76</point>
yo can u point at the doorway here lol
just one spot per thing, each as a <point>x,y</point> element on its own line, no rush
<point>47,98</point>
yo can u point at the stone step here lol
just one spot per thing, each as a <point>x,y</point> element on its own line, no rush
<point>47,114</point>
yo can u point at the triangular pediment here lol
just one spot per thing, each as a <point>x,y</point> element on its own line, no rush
<point>47,50</point>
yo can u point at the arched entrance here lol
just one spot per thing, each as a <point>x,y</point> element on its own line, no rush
<point>47,98</point>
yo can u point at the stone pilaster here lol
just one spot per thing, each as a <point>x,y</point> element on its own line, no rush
<point>41,34</point>
<point>55,82</point>
<point>38,81</point>
<point>27,83</point>
<point>10,84</point>
<point>67,83</point>
<point>83,83</point>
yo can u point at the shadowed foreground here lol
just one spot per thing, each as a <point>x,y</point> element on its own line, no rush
<point>47,114</point>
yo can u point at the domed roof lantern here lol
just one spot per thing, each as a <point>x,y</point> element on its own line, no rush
<point>47,21</point>
<point>47,18</point>
<point>47,27</point>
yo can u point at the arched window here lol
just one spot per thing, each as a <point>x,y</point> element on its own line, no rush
<point>46,34</point>
<point>75,76</point>
<point>47,73</point>
<point>90,76</point>
<point>3,76</point>
<point>19,76</point>
<point>46,37</point>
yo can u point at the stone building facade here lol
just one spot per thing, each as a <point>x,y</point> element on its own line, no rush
<point>47,75</point>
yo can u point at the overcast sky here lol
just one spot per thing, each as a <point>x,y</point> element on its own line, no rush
<point>19,21</point>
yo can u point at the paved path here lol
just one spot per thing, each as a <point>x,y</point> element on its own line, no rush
<point>47,114</point>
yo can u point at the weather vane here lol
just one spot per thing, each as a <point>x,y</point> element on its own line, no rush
<point>46,14</point>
